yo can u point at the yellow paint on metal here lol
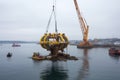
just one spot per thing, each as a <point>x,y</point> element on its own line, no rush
<point>51,39</point>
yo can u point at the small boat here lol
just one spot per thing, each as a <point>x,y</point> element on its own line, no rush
<point>15,45</point>
<point>37,56</point>
<point>9,54</point>
<point>114,51</point>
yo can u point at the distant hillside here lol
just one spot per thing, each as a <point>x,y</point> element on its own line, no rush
<point>109,41</point>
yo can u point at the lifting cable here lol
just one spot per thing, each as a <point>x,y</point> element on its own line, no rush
<point>54,14</point>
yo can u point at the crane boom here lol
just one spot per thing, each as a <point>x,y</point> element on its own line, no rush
<point>83,25</point>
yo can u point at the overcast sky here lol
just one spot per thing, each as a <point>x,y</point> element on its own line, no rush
<point>27,19</point>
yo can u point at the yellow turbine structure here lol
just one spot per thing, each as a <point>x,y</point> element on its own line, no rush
<point>49,40</point>
<point>54,42</point>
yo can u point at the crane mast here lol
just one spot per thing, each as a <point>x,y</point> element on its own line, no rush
<point>84,27</point>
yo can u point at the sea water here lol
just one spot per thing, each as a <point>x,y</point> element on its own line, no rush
<point>93,64</point>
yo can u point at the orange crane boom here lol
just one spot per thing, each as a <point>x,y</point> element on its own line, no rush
<point>84,27</point>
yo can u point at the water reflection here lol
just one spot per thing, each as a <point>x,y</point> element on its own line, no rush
<point>36,63</point>
<point>55,71</point>
<point>115,57</point>
<point>85,66</point>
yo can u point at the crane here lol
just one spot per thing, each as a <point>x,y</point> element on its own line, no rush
<point>84,28</point>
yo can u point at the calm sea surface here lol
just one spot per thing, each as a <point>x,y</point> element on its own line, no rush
<point>93,64</point>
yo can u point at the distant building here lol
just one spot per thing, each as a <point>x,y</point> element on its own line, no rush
<point>117,43</point>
